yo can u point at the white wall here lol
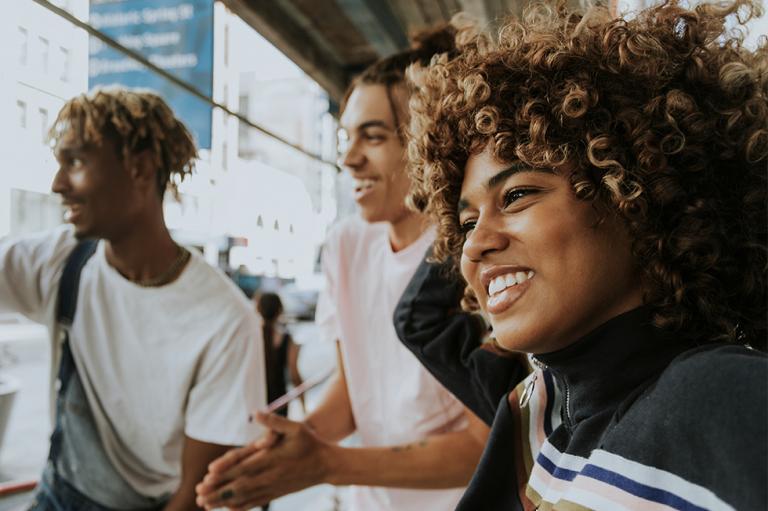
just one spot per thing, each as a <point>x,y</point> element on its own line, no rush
<point>41,81</point>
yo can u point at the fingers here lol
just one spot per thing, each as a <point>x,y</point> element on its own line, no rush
<point>267,441</point>
<point>231,458</point>
<point>249,467</point>
<point>277,423</point>
<point>243,493</point>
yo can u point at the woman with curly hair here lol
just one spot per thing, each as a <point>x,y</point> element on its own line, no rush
<point>601,186</point>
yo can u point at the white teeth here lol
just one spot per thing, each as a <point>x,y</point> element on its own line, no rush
<point>361,184</point>
<point>502,282</point>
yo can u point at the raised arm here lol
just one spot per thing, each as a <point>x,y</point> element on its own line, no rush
<point>30,269</point>
<point>449,342</point>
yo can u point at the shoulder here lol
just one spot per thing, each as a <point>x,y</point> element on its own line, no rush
<point>708,404</point>
<point>350,233</point>
<point>42,254</point>
<point>46,245</point>
<point>716,374</point>
<point>210,286</point>
<point>711,397</point>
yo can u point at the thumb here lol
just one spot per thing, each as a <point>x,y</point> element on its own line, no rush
<point>277,423</point>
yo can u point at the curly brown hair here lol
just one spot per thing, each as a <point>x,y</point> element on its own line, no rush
<point>134,120</point>
<point>661,119</point>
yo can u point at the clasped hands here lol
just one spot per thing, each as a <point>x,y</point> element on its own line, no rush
<point>288,458</point>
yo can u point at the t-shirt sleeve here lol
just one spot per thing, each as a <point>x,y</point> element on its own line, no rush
<point>449,343</point>
<point>230,385</point>
<point>326,317</point>
<point>30,268</point>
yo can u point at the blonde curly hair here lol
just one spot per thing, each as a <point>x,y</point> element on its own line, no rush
<point>135,120</point>
<point>661,119</point>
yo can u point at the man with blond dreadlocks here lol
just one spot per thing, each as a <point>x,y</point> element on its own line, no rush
<point>156,352</point>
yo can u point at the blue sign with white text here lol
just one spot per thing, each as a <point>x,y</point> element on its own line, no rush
<point>175,35</point>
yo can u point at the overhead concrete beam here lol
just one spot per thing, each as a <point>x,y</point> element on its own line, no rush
<point>286,34</point>
<point>378,24</point>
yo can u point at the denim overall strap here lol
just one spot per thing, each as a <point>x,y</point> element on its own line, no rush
<point>66,306</point>
<point>77,458</point>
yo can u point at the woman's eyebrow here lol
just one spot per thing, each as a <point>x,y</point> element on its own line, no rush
<point>502,176</point>
<point>496,180</point>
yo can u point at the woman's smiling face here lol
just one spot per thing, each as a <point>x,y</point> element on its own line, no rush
<point>543,264</point>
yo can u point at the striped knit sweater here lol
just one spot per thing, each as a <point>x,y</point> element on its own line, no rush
<point>626,418</point>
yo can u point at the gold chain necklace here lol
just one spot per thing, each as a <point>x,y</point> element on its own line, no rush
<point>170,273</point>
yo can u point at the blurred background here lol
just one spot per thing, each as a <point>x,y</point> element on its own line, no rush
<point>259,82</point>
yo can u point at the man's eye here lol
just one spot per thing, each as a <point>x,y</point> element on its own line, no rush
<point>374,137</point>
<point>76,162</point>
<point>515,194</point>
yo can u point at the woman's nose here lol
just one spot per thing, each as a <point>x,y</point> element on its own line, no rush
<point>483,240</point>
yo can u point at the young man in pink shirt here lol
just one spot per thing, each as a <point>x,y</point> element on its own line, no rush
<point>419,444</point>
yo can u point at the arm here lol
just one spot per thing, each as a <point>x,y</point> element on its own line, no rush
<point>447,460</point>
<point>195,458</point>
<point>449,342</point>
<point>332,420</point>
<point>298,458</point>
<point>30,269</point>
<point>293,367</point>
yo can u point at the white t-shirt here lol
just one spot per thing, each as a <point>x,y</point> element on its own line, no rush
<point>394,399</point>
<point>155,363</point>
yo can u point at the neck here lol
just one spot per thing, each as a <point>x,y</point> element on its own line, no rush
<point>144,252</point>
<point>406,230</point>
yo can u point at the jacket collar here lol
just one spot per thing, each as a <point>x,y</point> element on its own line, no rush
<point>601,369</point>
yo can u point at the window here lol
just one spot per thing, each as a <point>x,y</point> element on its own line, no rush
<point>226,45</point>
<point>44,54</point>
<point>224,160</point>
<point>21,106</point>
<point>277,225</point>
<point>64,54</point>
<point>23,45</point>
<point>225,98</point>
<point>43,124</point>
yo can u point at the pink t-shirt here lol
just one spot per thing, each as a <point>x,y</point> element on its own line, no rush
<point>394,399</point>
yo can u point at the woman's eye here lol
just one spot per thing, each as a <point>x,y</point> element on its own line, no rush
<point>515,194</point>
<point>77,162</point>
<point>467,226</point>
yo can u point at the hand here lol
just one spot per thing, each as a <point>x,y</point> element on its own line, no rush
<point>289,458</point>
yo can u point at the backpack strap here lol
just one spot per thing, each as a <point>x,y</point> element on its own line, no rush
<point>70,281</point>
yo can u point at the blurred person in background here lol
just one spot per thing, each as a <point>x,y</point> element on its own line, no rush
<point>419,445</point>
<point>280,352</point>
<point>155,350</point>
<point>600,185</point>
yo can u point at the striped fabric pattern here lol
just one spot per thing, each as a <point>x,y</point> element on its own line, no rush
<point>603,481</point>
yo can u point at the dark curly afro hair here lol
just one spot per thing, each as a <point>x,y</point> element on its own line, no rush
<point>664,118</point>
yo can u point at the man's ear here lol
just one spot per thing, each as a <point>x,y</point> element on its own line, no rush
<point>143,169</point>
